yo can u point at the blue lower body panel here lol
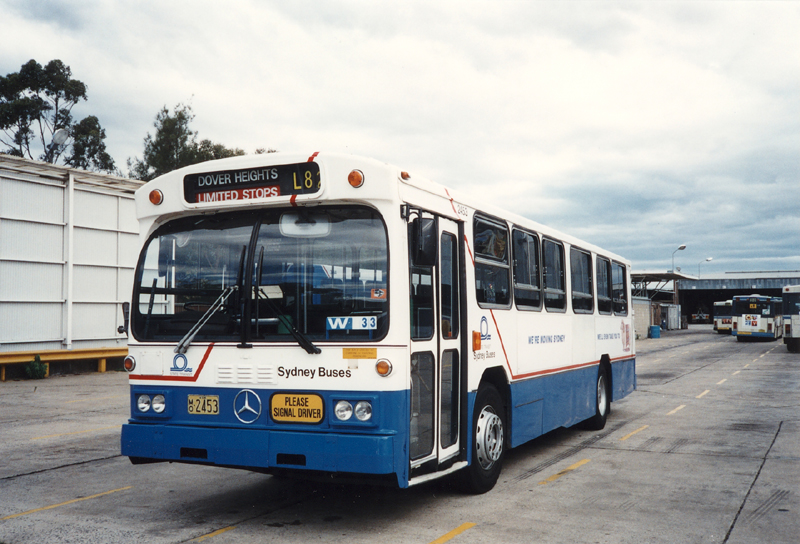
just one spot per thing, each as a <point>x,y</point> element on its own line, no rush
<point>257,448</point>
<point>542,404</point>
<point>377,447</point>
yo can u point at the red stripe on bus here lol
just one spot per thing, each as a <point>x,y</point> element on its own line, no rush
<point>177,378</point>
<point>452,202</point>
<point>293,200</point>
<point>570,367</point>
<point>469,250</point>
<point>313,156</point>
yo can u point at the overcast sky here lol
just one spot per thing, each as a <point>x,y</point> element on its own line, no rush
<point>635,126</point>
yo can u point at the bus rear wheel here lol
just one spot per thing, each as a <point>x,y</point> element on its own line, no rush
<point>488,442</point>
<point>602,403</point>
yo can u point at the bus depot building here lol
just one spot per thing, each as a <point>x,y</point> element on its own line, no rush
<point>697,296</point>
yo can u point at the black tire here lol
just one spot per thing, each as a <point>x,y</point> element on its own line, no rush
<point>602,403</point>
<point>488,442</point>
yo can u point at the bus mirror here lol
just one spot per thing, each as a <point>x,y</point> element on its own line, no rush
<point>423,241</point>
<point>165,244</point>
<point>304,225</point>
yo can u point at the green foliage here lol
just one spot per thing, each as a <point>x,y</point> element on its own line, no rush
<point>174,146</point>
<point>36,369</point>
<point>88,149</point>
<point>37,101</point>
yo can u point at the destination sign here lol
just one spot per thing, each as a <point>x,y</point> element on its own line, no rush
<point>252,183</point>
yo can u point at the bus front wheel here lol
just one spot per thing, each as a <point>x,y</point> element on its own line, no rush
<point>488,441</point>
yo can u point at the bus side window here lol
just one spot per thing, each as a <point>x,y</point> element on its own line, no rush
<point>527,284</point>
<point>555,294</point>
<point>580,266</point>
<point>603,285</point>
<point>491,264</point>
<point>620,291</point>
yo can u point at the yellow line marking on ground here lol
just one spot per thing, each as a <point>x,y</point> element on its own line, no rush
<point>65,503</point>
<point>723,380</point>
<point>735,373</point>
<point>455,532</point>
<point>703,394</point>
<point>215,533</point>
<point>627,436</point>
<point>748,364</point>
<point>570,468</point>
<point>681,407</point>
<point>76,432</point>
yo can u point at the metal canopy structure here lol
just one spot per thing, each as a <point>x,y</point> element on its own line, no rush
<point>653,281</point>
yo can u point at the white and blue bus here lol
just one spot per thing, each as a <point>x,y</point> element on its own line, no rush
<point>722,316</point>
<point>756,316</point>
<point>791,317</point>
<point>329,315</point>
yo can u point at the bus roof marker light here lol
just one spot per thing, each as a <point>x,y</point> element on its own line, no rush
<point>383,368</point>
<point>405,175</point>
<point>156,197</point>
<point>355,178</point>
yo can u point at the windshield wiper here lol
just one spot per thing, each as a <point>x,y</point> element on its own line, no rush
<point>301,338</point>
<point>183,345</point>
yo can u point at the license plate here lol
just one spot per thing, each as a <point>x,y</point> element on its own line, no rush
<point>204,404</point>
<point>296,408</point>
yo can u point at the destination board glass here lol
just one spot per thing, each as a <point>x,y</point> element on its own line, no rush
<point>252,183</point>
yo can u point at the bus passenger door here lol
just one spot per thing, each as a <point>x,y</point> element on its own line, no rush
<point>449,335</point>
<point>435,341</point>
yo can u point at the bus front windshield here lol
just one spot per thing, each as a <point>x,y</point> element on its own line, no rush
<point>265,276</point>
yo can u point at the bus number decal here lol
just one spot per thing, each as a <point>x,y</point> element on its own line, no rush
<point>367,323</point>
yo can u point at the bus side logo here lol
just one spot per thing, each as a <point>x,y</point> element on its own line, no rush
<point>180,359</point>
<point>485,336</point>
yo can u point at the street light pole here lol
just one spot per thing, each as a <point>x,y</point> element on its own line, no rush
<point>675,283</point>
<point>682,247</point>
<point>701,262</point>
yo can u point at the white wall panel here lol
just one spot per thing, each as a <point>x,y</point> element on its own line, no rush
<point>94,321</point>
<point>95,210</point>
<point>94,284</point>
<point>20,321</point>
<point>127,216</point>
<point>21,281</point>
<point>95,247</point>
<point>34,300</point>
<point>23,241</point>
<point>31,201</point>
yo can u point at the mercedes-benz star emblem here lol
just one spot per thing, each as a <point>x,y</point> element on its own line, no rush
<point>247,406</point>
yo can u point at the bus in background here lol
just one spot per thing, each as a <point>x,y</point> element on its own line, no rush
<point>722,316</point>
<point>757,316</point>
<point>325,315</point>
<point>791,317</point>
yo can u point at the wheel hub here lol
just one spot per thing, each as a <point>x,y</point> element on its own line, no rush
<point>489,437</point>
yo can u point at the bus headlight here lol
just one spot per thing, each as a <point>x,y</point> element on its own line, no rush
<point>343,410</point>
<point>363,411</point>
<point>159,404</point>
<point>143,403</point>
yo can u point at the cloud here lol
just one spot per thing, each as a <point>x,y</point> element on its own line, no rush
<point>637,126</point>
